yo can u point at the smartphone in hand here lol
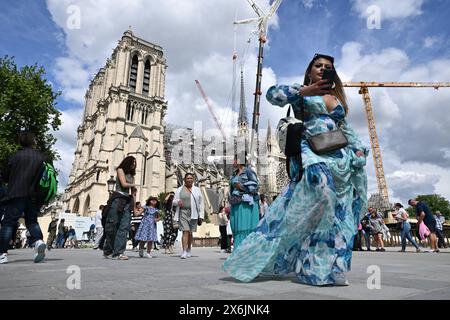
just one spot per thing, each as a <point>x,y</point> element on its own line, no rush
<point>329,75</point>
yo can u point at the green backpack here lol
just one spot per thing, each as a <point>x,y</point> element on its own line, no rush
<point>47,184</point>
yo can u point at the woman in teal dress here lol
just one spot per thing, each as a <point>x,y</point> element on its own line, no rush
<point>309,228</point>
<point>244,213</point>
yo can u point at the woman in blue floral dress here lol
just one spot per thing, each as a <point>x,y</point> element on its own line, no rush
<point>309,228</point>
<point>147,228</point>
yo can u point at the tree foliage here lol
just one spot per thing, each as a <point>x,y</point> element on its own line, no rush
<point>435,202</point>
<point>27,102</point>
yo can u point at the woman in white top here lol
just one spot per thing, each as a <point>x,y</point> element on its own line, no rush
<point>402,216</point>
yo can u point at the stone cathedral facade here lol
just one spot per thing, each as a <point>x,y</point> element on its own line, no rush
<point>123,115</point>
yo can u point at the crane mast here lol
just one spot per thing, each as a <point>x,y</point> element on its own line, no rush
<point>211,110</point>
<point>376,151</point>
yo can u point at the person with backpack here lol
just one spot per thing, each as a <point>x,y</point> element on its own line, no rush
<point>21,198</point>
<point>309,228</point>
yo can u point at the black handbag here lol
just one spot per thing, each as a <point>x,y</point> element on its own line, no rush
<point>293,134</point>
<point>234,199</point>
<point>328,141</point>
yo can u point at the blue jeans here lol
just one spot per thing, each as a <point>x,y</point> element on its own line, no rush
<point>117,227</point>
<point>60,240</point>
<point>14,209</point>
<point>367,238</point>
<point>406,234</point>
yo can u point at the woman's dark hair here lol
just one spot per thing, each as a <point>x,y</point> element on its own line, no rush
<point>398,205</point>
<point>150,199</point>
<point>263,198</point>
<point>338,90</point>
<point>189,174</point>
<point>126,165</point>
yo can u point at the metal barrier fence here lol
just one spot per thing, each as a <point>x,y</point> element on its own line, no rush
<point>394,241</point>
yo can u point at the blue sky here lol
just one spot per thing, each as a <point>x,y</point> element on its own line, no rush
<point>30,34</point>
<point>197,36</point>
<point>329,24</point>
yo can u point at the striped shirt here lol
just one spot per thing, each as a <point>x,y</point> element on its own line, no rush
<point>23,168</point>
<point>439,221</point>
<point>136,219</point>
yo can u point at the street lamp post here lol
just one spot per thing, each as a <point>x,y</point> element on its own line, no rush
<point>111,183</point>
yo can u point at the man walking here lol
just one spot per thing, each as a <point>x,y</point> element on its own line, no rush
<point>21,171</point>
<point>423,214</point>
<point>60,239</point>
<point>51,232</point>
<point>440,229</point>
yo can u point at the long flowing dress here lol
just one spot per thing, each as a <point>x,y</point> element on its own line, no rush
<point>170,234</point>
<point>309,228</point>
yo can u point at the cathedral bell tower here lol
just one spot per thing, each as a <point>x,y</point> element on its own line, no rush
<point>123,115</point>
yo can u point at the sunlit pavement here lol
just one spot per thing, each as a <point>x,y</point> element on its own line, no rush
<point>85,274</point>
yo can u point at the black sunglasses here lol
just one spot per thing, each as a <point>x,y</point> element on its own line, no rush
<point>319,55</point>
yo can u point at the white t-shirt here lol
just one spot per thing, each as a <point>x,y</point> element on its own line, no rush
<point>400,213</point>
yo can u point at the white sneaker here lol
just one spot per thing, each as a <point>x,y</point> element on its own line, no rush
<point>148,255</point>
<point>340,280</point>
<point>3,258</point>
<point>39,250</point>
<point>183,255</point>
<point>223,251</point>
<point>188,254</point>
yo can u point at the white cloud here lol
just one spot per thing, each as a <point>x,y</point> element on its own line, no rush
<point>66,143</point>
<point>308,3</point>
<point>197,38</point>
<point>410,122</point>
<point>72,77</point>
<point>429,42</point>
<point>390,10</point>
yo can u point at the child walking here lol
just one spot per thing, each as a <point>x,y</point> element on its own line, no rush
<point>147,229</point>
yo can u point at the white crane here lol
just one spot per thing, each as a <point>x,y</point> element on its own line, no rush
<point>262,22</point>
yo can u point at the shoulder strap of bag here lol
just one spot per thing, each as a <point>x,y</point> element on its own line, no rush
<point>195,201</point>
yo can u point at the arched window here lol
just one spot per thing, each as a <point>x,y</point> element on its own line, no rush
<point>146,83</point>
<point>133,73</point>
<point>87,204</point>
<point>144,115</point>
<point>130,111</point>
<point>76,206</point>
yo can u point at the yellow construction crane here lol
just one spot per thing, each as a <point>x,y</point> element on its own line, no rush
<point>364,91</point>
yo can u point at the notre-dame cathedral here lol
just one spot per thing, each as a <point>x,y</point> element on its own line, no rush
<point>124,115</point>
